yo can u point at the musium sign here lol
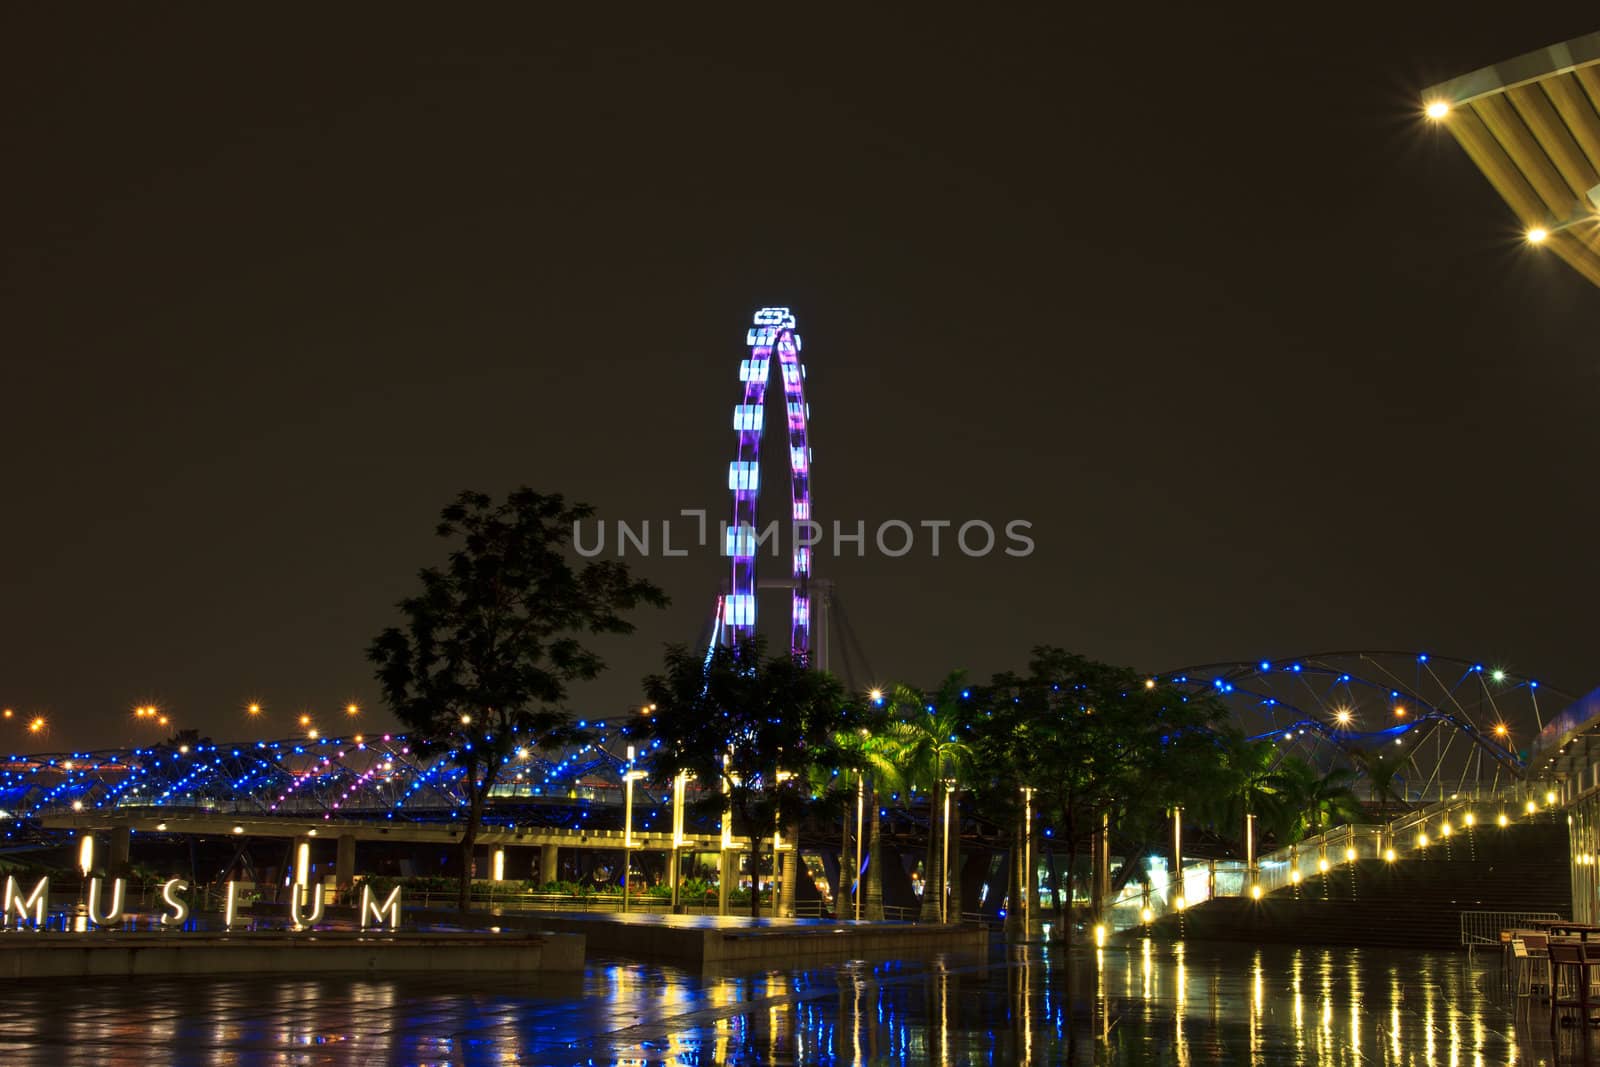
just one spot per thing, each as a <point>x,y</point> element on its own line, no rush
<point>306,905</point>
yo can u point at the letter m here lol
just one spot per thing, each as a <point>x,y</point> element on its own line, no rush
<point>387,912</point>
<point>34,902</point>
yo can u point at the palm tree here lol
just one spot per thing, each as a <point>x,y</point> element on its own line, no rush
<point>925,743</point>
<point>1247,784</point>
<point>1313,801</point>
<point>1382,767</point>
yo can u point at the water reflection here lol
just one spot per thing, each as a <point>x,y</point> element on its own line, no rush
<point>1143,1003</point>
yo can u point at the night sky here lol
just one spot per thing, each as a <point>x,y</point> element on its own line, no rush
<point>1256,350</point>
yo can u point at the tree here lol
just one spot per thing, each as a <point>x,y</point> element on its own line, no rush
<point>1245,783</point>
<point>1093,741</point>
<point>497,635</point>
<point>750,729</point>
<point>921,746</point>
<point>1315,801</point>
<point>1382,767</point>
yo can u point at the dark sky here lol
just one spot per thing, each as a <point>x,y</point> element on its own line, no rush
<point>1256,351</point>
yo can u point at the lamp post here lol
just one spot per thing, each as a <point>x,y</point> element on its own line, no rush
<point>628,778</point>
<point>1027,861</point>
<point>861,796</point>
<point>678,785</point>
<point>1178,901</point>
<point>944,861</point>
<point>1250,849</point>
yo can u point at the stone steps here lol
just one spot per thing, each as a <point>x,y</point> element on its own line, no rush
<point>1414,902</point>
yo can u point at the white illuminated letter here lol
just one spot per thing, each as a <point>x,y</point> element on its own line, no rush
<point>230,907</point>
<point>388,912</point>
<point>34,902</point>
<point>112,915</point>
<point>298,895</point>
<point>179,908</point>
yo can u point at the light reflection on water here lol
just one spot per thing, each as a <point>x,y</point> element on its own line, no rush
<point>1146,1003</point>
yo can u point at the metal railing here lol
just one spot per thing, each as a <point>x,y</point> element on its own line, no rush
<point>1479,928</point>
<point>1404,836</point>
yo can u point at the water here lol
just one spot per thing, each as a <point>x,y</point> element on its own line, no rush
<point>1148,1004</point>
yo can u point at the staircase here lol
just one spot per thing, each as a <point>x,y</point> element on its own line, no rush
<point>1414,902</point>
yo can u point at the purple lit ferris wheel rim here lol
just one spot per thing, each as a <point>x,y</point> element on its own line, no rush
<point>772,333</point>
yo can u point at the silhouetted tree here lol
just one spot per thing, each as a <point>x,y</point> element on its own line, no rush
<point>496,636</point>
<point>752,726</point>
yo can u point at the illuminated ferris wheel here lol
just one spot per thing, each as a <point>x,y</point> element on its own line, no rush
<point>773,331</point>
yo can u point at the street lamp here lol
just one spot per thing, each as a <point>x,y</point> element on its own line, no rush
<point>1027,859</point>
<point>628,778</point>
<point>679,783</point>
<point>944,862</point>
<point>861,796</point>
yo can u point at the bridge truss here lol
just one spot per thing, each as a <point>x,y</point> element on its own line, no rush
<point>1462,724</point>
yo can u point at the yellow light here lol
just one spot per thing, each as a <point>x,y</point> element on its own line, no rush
<point>162,720</point>
<point>305,720</point>
<point>1149,683</point>
<point>1445,829</point>
<point>1422,840</point>
<point>1503,820</point>
<point>1179,903</point>
<point>183,749</point>
<point>1350,854</point>
<point>1468,818</point>
<point>1343,717</point>
<point>1532,807</point>
<point>876,694</point>
<point>254,709</point>
<point>1099,936</point>
<point>1537,235</point>
<point>1388,854</point>
<point>360,738</point>
<point>1146,915</point>
<point>466,720</point>
<point>1255,892</point>
<point>1437,109</point>
<point>1399,709</point>
<point>499,870</point>
<point>161,826</point>
<point>1294,876</point>
<point>238,829</point>
<point>77,805</point>
<point>1550,798</point>
<point>8,713</point>
<point>86,854</point>
<point>313,734</point>
<point>352,709</point>
<point>36,725</point>
<point>1322,865</point>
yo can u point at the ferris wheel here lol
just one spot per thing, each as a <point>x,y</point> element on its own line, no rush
<point>771,332</point>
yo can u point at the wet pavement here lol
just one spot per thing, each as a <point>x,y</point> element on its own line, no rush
<point>1146,1004</point>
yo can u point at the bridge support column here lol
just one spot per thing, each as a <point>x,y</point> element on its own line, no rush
<point>1100,876</point>
<point>299,862</point>
<point>117,852</point>
<point>787,873</point>
<point>549,863</point>
<point>727,876</point>
<point>344,863</point>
